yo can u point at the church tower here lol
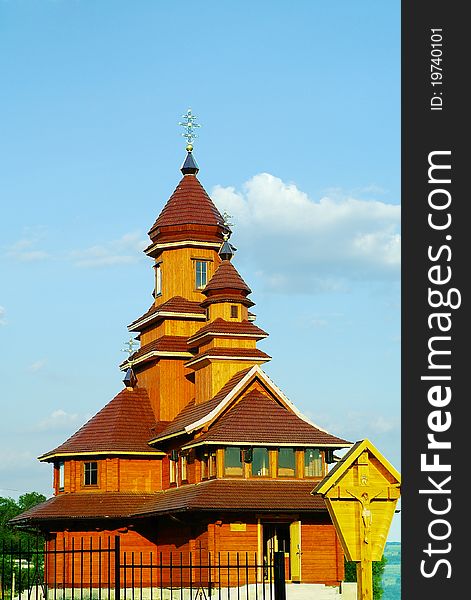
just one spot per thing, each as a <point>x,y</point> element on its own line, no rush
<point>198,332</point>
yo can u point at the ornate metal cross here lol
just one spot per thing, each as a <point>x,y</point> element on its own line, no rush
<point>189,124</point>
<point>130,347</point>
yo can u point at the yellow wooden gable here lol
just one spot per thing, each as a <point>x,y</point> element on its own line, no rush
<point>361,493</point>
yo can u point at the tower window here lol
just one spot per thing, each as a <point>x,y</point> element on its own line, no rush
<point>90,473</point>
<point>61,476</point>
<point>201,274</point>
<point>158,280</point>
<point>234,311</point>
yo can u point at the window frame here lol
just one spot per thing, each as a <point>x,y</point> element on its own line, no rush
<point>254,451</point>
<point>91,473</point>
<point>197,274</point>
<point>319,460</point>
<point>236,450</point>
<point>212,465</point>
<point>158,279</point>
<point>60,476</point>
<point>278,474</point>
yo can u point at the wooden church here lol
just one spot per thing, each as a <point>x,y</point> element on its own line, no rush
<point>201,451</point>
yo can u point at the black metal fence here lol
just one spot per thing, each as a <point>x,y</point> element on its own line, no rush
<point>87,569</point>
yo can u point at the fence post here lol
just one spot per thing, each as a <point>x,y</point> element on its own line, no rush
<point>279,576</point>
<point>117,567</point>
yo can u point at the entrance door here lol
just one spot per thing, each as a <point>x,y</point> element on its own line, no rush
<point>276,538</point>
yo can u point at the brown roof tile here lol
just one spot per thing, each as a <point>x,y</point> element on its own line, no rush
<point>84,506</point>
<point>259,419</point>
<point>221,327</point>
<point>226,277</point>
<point>194,412</point>
<point>177,304</point>
<point>237,495</point>
<point>123,425</point>
<point>189,204</point>
<point>241,353</point>
<point>217,494</point>
<point>166,343</point>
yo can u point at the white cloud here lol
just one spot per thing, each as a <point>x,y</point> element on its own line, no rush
<point>2,316</point>
<point>58,420</point>
<point>37,365</point>
<point>311,244</point>
<point>24,250</point>
<point>125,250</point>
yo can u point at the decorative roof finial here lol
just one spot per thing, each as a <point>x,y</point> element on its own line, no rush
<point>130,379</point>
<point>227,250</point>
<point>227,225</point>
<point>189,124</point>
<point>130,347</point>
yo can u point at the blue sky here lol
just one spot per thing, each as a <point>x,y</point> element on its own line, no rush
<point>300,142</point>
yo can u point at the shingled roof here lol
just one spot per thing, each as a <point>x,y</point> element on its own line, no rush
<point>177,305</point>
<point>189,204</point>
<point>192,413</point>
<point>165,345</point>
<point>123,426</point>
<point>220,328</point>
<point>259,419</point>
<point>226,277</point>
<point>270,495</point>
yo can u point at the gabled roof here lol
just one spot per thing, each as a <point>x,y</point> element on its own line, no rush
<point>226,277</point>
<point>193,413</point>
<point>196,416</point>
<point>189,204</point>
<point>337,472</point>
<point>176,306</point>
<point>259,419</point>
<point>123,426</point>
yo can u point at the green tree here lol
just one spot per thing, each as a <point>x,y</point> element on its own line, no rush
<point>9,508</point>
<point>378,570</point>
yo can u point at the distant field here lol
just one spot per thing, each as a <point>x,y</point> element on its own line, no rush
<point>392,571</point>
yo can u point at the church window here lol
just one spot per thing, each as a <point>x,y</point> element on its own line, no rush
<point>312,463</point>
<point>158,280</point>
<point>212,464</point>
<point>260,462</point>
<point>90,473</point>
<point>201,274</point>
<point>232,462</point>
<point>60,469</point>
<point>184,467</point>
<point>204,467</point>
<point>234,311</point>
<point>286,462</point>
<point>173,471</point>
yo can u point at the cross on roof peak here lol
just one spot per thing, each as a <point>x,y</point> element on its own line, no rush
<point>189,124</point>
